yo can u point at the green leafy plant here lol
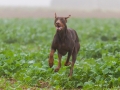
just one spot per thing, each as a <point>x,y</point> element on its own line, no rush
<point>25,46</point>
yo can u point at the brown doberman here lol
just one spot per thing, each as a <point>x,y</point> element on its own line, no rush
<point>65,41</point>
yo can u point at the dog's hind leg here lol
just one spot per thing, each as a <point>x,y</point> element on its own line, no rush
<point>59,62</point>
<point>67,63</point>
<point>74,54</point>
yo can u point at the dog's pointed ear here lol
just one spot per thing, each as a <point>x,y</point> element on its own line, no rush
<point>55,15</point>
<point>67,17</point>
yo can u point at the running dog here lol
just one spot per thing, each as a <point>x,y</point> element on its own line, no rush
<point>65,41</point>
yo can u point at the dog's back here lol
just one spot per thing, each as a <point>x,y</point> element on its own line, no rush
<point>74,35</point>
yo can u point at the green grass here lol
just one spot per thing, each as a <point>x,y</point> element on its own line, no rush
<point>25,46</point>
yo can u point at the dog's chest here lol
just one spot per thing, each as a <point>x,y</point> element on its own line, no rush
<point>63,48</point>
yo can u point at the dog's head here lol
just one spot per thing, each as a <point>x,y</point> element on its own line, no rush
<point>60,22</point>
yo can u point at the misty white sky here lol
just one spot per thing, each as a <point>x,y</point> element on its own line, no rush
<point>109,5</point>
<point>26,3</point>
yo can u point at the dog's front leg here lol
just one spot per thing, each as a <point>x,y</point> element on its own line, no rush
<point>59,62</point>
<point>51,59</point>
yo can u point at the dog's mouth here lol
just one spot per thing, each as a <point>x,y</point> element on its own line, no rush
<point>58,27</point>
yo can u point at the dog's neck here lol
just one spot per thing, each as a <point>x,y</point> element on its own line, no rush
<point>62,34</point>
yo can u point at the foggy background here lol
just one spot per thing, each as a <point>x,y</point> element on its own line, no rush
<point>47,8</point>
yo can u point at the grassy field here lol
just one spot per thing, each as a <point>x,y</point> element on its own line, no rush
<point>25,46</point>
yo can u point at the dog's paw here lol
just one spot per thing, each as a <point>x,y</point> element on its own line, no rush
<point>67,64</point>
<point>57,69</point>
<point>70,75</point>
<point>50,64</point>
